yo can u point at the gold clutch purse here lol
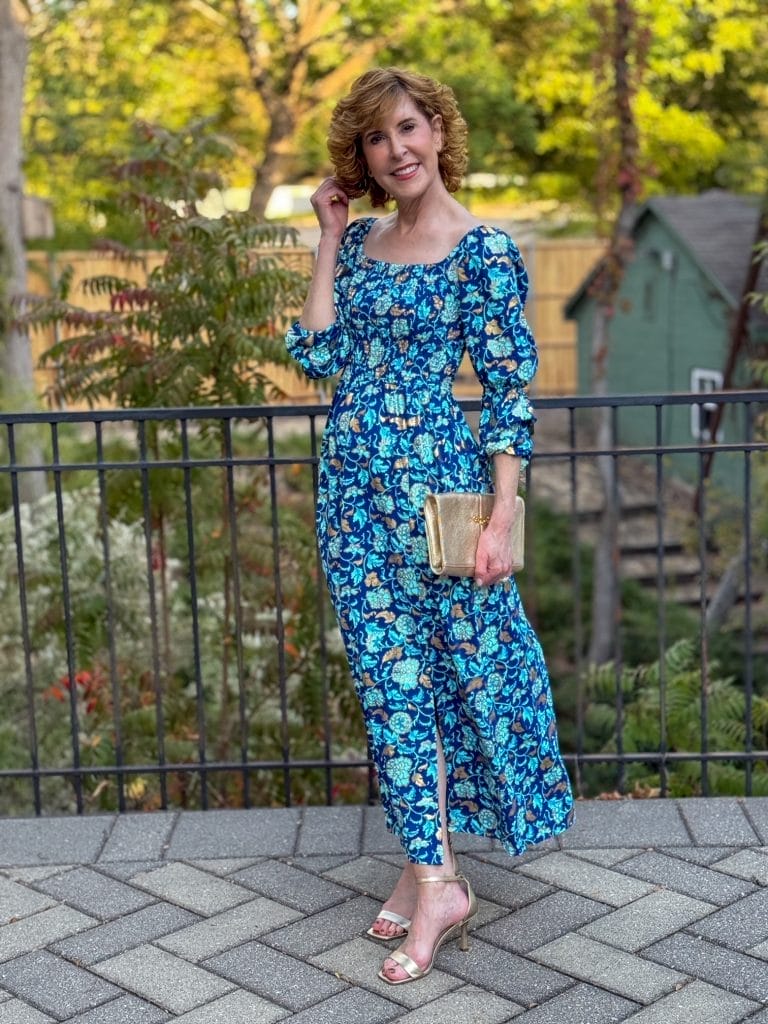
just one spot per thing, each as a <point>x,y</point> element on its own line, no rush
<point>454,524</point>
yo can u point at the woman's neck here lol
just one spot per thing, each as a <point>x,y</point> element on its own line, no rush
<point>413,218</point>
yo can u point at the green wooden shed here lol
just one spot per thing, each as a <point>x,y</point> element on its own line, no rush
<point>674,311</point>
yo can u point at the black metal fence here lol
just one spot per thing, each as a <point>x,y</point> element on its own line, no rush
<point>166,639</point>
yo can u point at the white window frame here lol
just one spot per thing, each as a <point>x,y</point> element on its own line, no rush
<point>703,381</point>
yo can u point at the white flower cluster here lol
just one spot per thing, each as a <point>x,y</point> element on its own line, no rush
<point>50,584</point>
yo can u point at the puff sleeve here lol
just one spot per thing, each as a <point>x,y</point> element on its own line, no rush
<point>500,343</point>
<point>326,352</point>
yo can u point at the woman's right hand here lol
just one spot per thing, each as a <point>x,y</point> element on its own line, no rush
<point>331,206</point>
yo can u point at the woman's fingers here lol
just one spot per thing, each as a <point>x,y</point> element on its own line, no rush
<point>482,560</point>
<point>493,561</point>
<point>328,193</point>
<point>331,206</point>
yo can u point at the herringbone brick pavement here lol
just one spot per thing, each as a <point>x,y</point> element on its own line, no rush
<point>650,912</point>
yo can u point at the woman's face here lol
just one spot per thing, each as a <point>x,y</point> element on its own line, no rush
<point>401,150</point>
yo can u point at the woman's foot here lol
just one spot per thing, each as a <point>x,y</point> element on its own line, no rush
<point>400,905</point>
<point>440,907</point>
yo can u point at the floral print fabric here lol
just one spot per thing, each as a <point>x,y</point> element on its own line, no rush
<point>433,659</point>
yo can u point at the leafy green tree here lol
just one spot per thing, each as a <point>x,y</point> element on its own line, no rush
<point>701,99</point>
<point>96,66</point>
<point>301,57</point>
<point>267,74</point>
<point>261,71</point>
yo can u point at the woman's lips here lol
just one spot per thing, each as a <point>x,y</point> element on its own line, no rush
<point>402,173</point>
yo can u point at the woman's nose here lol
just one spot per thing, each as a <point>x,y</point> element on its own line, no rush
<point>396,146</point>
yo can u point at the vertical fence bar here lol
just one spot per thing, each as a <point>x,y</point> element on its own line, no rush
<point>322,627</point>
<point>279,620</point>
<point>117,718</point>
<point>704,639</point>
<point>578,611</point>
<point>157,671</point>
<point>747,534</point>
<point>234,555</point>
<point>29,680</point>
<point>189,522</point>
<point>661,590</point>
<point>615,499</point>
<point>74,723</point>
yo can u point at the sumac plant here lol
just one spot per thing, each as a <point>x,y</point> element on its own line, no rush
<point>200,323</point>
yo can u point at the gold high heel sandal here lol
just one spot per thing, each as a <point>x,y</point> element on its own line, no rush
<point>460,928</point>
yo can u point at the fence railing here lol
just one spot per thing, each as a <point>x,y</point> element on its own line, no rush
<point>166,638</point>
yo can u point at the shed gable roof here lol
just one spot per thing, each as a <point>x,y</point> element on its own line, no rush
<point>718,230</point>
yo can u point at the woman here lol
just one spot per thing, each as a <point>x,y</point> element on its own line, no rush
<point>449,673</point>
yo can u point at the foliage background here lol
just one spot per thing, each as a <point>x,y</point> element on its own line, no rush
<point>532,78</point>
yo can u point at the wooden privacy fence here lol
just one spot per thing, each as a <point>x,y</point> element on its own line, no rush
<point>45,269</point>
<point>556,267</point>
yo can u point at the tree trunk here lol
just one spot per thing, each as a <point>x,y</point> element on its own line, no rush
<point>282,119</point>
<point>727,593</point>
<point>605,567</point>
<point>605,582</point>
<point>18,385</point>
<point>272,170</point>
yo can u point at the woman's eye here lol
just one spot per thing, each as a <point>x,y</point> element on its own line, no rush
<point>409,126</point>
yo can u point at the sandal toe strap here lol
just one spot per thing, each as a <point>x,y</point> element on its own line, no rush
<point>410,967</point>
<point>398,919</point>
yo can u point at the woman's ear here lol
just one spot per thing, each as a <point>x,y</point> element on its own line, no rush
<point>437,132</point>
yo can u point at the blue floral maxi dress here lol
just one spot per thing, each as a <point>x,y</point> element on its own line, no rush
<point>433,653</point>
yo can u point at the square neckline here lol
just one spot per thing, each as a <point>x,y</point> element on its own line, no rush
<point>370,221</point>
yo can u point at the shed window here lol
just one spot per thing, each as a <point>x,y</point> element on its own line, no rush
<point>703,413</point>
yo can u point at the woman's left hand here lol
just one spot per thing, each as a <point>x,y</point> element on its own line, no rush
<point>493,561</point>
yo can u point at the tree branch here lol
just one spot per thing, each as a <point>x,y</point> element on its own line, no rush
<point>247,35</point>
<point>208,11</point>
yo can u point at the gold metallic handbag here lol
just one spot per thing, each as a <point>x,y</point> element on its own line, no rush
<point>454,524</point>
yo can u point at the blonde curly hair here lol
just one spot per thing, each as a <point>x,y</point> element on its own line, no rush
<point>375,93</point>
